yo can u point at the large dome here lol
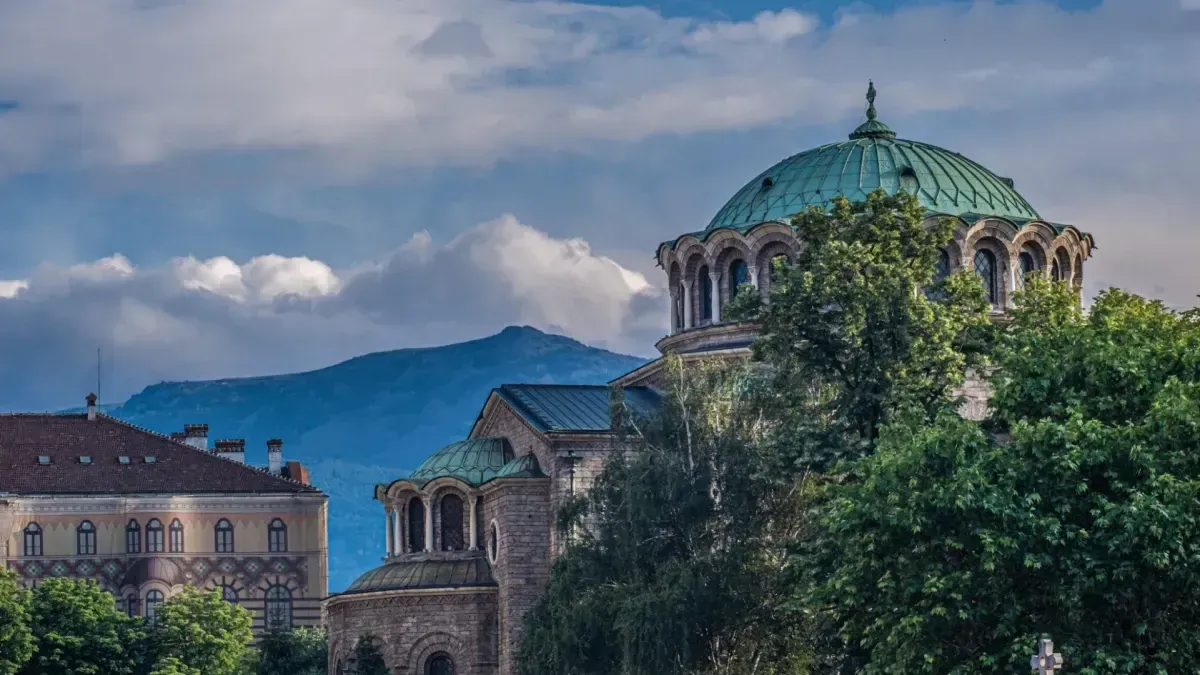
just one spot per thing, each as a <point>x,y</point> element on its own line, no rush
<point>873,158</point>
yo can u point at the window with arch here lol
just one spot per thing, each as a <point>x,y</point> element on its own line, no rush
<point>33,540</point>
<point>85,538</point>
<point>985,269</point>
<point>131,604</point>
<point>493,542</point>
<point>229,593</point>
<point>153,600</point>
<point>941,270</point>
<point>224,536</point>
<point>277,537</point>
<point>416,524</point>
<point>678,300</point>
<point>439,664</point>
<point>154,536</point>
<point>452,523</point>
<point>1028,266</point>
<point>704,281</point>
<point>739,273</point>
<point>279,607</point>
<point>133,537</point>
<point>1078,280</point>
<point>176,532</point>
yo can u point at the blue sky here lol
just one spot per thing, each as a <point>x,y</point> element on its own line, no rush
<point>210,188</point>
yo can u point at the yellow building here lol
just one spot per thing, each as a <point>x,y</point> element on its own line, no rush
<point>89,496</point>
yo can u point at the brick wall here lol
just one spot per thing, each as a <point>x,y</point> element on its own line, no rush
<point>521,509</point>
<point>414,626</point>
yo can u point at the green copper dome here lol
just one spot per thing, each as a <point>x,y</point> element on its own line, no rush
<point>873,158</point>
<point>474,461</point>
<point>424,574</point>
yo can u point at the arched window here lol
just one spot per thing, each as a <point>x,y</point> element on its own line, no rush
<point>131,604</point>
<point>277,537</point>
<point>224,536</point>
<point>985,268</point>
<point>439,664</point>
<point>85,538</point>
<point>1028,266</point>
<point>493,543</point>
<point>154,536</point>
<point>279,608</point>
<point>678,300</point>
<point>416,524</point>
<point>452,523</point>
<point>133,537</point>
<point>941,270</point>
<point>739,274</point>
<point>33,540</point>
<point>176,536</point>
<point>705,287</point>
<point>153,600</point>
<point>229,593</point>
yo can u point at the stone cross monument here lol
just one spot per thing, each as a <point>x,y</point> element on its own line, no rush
<point>1045,661</point>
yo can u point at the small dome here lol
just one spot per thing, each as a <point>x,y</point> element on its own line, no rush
<point>411,574</point>
<point>525,466</point>
<point>942,180</point>
<point>474,461</point>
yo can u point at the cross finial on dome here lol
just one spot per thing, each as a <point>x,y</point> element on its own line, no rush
<point>871,114</point>
<point>872,128</point>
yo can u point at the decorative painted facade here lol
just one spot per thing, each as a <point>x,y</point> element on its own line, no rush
<point>470,536</point>
<point>146,515</point>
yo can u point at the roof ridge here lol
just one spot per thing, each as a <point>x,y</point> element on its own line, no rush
<point>206,453</point>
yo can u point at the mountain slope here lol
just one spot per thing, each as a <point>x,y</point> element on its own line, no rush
<point>370,419</point>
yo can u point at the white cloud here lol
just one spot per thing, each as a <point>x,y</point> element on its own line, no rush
<point>196,319</point>
<point>369,82</point>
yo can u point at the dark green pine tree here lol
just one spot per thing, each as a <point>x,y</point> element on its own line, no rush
<point>368,656</point>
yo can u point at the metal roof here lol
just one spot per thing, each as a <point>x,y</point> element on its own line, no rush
<point>417,574</point>
<point>573,408</point>
<point>474,461</point>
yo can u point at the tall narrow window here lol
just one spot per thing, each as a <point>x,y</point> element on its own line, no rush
<point>33,540</point>
<point>941,270</point>
<point>1028,266</point>
<point>279,608</point>
<point>153,600</point>
<point>416,524</point>
<point>738,274</point>
<point>85,538</point>
<point>176,536</point>
<point>439,664</point>
<point>133,537</point>
<point>985,268</point>
<point>452,523</point>
<point>224,536</point>
<point>154,536</point>
<point>277,536</point>
<point>229,594</point>
<point>679,310</point>
<point>705,283</point>
<point>131,604</point>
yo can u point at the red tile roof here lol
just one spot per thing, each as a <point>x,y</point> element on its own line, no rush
<point>175,468</point>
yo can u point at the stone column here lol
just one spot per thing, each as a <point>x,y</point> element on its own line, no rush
<point>471,526</point>
<point>428,523</point>
<point>687,306</point>
<point>752,271</point>
<point>387,522</point>
<point>715,292</point>
<point>397,540</point>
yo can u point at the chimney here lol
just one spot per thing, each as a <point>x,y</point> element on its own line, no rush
<point>232,448</point>
<point>196,435</point>
<point>178,436</point>
<point>91,407</point>
<point>275,455</point>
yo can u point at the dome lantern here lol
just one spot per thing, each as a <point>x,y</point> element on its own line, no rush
<point>872,128</point>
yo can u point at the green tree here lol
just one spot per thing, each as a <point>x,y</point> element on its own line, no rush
<point>303,651</point>
<point>173,666</point>
<point>851,340</point>
<point>677,549</point>
<point>368,656</point>
<point>202,632</point>
<point>1073,513</point>
<point>16,640</point>
<point>78,630</point>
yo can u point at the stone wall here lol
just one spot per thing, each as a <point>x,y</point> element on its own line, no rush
<point>520,508</point>
<point>977,392</point>
<point>413,626</point>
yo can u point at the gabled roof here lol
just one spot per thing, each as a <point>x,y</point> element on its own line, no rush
<point>153,464</point>
<point>552,408</point>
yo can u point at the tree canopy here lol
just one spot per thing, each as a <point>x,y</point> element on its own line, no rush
<point>368,656</point>
<point>302,651</point>
<point>78,630</point>
<point>202,632</point>
<point>16,640</point>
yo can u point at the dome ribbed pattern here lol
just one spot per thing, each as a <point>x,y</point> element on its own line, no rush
<point>474,461</point>
<point>413,574</point>
<point>943,181</point>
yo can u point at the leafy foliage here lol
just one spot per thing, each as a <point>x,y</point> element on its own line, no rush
<point>1074,513</point>
<point>368,656</point>
<point>677,548</point>
<point>852,341</point>
<point>303,651</point>
<point>16,641</point>
<point>202,632</point>
<point>78,630</point>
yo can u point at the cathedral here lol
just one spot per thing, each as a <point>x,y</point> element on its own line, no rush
<point>471,535</point>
